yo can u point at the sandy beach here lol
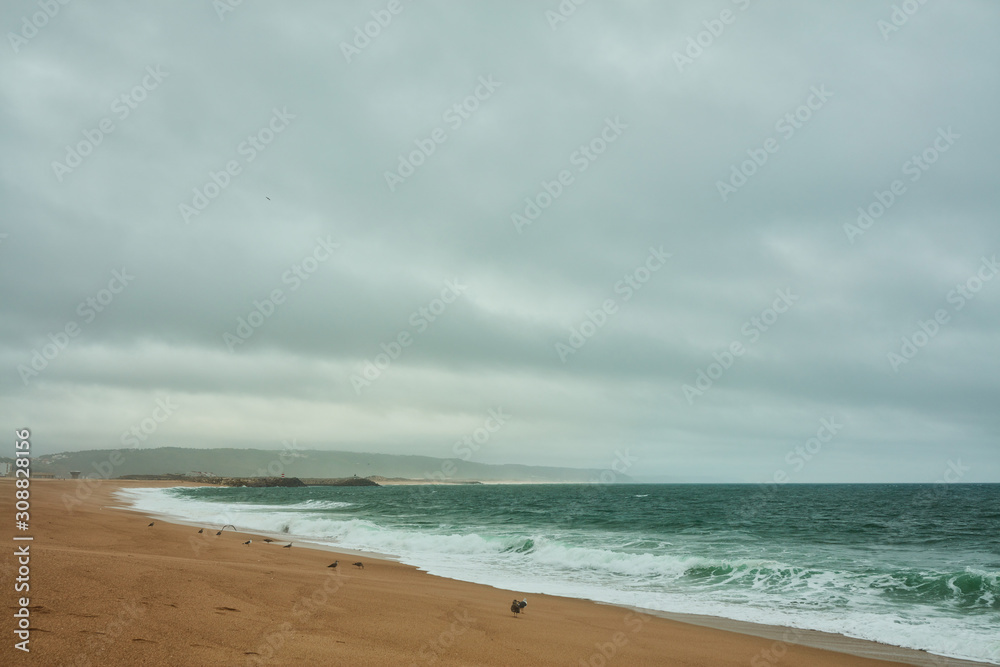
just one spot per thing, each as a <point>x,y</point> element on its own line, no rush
<point>108,589</point>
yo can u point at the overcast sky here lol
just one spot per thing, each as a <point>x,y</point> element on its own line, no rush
<point>694,293</point>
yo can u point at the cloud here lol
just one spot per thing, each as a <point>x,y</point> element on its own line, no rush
<point>205,125</point>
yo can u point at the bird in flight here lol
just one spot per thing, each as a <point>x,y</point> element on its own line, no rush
<point>268,540</point>
<point>228,525</point>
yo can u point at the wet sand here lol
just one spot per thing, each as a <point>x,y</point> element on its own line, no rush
<point>107,589</point>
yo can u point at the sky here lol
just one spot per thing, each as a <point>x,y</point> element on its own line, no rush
<point>737,241</point>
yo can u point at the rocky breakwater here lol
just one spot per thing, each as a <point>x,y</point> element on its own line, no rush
<point>253,481</point>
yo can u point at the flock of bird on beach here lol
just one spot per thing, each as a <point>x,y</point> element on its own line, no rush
<point>359,564</point>
<point>517,606</point>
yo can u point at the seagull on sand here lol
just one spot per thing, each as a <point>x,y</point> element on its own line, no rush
<point>247,542</point>
<point>359,564</point>
<point>202,530</point>
<point>333,564</point>
<point>515,607</point>
<point>150,523</point>
<point>268,540</point>
<point>287,546</point>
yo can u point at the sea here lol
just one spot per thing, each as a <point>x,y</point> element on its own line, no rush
<point>910,565</point>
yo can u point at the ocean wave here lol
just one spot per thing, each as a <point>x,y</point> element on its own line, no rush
<point>316,505</point>
<point>969,588</point>
<point>688,574</point>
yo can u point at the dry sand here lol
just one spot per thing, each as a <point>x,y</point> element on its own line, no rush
<point>107,589</point>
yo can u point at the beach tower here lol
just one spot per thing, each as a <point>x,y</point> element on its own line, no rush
<point>75,474</point>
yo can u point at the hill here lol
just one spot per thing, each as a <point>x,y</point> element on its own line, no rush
<point>299,463</point>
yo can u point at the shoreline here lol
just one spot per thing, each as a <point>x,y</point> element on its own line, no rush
<point>281,591</point>
<point>852,646</point>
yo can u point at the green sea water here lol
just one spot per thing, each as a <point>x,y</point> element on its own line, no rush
<point>910,565</point>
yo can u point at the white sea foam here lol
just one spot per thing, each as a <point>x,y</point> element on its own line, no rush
<point>672,578</point>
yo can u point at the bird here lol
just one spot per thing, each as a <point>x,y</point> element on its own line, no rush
<point>150,523</point>
<point>268,540</point>
<point>360,565</point>
<point>287,546</point>
<point>267,198</point>
<point>515,607</point>
<point>228,525</point>
<point>523,603</point>
<point>201,531</point>
<point>247,542</point>
<point>333,564</point>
